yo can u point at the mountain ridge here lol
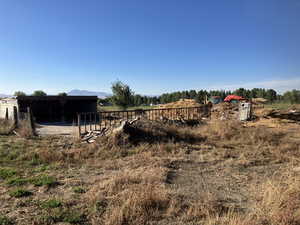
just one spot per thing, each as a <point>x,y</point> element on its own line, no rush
<point>77,92</point>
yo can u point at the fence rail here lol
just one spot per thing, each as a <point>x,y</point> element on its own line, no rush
<point>99,120</point>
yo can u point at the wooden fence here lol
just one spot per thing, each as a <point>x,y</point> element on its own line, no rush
<point>17,117</point>
<point>97,121</point>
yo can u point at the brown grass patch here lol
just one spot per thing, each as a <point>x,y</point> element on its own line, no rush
<point>25,130</point>
<point>279,202</point>
<point>6,126</point>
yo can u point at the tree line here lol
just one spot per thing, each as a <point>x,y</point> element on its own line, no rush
<point>38,93</point>
<point>123,96</point>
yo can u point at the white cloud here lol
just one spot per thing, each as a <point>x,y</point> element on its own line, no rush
<point>278,85</point>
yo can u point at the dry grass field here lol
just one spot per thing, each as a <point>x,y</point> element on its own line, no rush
<point>220,172</point>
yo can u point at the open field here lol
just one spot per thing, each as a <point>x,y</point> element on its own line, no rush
<point>116,108</point>
<point>220,172</point>
<point>282,106</point>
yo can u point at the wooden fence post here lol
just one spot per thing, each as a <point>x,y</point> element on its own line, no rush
<point>79,124</point>
<point>30,120</point>
<point>15,116</point>
<point>6,114</point>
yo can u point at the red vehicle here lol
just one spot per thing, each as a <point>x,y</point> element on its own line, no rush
<point>233,98</point>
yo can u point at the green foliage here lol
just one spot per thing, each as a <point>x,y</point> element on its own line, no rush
<point>292,97</point>
<point>19,93</point>
<point>104,101</point>
<point>45,180</point>
<point>63,94</point>
<point>122,95</point>
<point>7,173</point>
<point>51,204</point>
<point>39,93</point>
<point>6,221</point>
<point>19,193</point>
<point>58,215</point>
<point>271,95</point>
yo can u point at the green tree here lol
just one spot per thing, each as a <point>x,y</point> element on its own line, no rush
<point>138,100</point>
<point>39,93</point>
<point>271,95</point>
<point>19,93</point>
<point>63,94</point>
<point>292,96</point>
<point>123,96</point>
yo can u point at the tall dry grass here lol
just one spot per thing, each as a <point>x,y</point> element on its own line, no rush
<point>6,126</point>
<point>23,129</point>
<point>252,143</point>
<point>278,201</point>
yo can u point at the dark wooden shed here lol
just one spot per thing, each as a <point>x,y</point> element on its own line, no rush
<point>57,108</point>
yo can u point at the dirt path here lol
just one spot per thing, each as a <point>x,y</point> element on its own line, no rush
<point>224,179</point>
<point>56,129</point>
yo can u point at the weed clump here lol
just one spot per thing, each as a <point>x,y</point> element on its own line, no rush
<point>18,181</point>
<point>52,203</point>
<point>45,180</point>
<point>19,193</point>
<point>7,173</point>
<point>62,215</point>
<point>79,190</point>
<point>4,220</point>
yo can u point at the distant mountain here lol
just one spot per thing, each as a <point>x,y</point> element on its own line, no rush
<point>88,93</point>
<point>5,96</point>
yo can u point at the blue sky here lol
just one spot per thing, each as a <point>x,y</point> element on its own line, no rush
<point>155,46</point>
